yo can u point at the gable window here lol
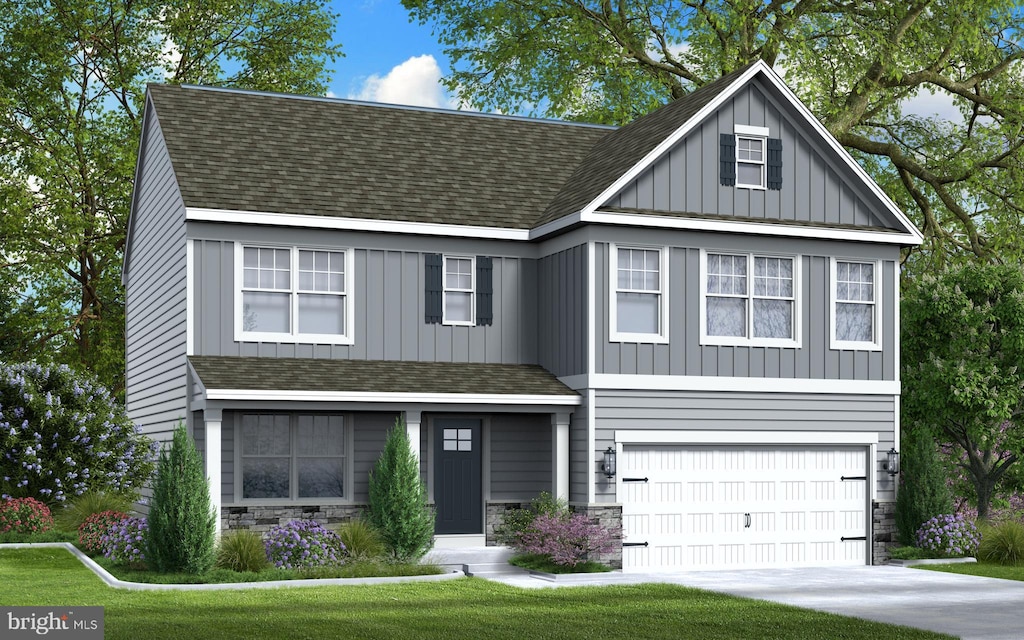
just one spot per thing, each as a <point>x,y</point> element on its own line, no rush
<point>292,294</point>
<point>749,300</point>
<point>750,162</point>
<point>855,307</point>
<point>291,456</point>
<point>749,159</point>
<point>458,290</point>
<point>638,310</point>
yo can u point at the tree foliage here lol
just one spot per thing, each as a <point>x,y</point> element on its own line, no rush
<point>398,499</point>
<point>855,64</point>
<point>72,80</point>
<point>963,345</point>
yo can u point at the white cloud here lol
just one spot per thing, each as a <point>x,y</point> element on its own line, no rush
<point>417,82</point>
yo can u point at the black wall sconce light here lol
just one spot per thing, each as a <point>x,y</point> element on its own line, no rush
<point>892,462</point>
<point>608,466</point>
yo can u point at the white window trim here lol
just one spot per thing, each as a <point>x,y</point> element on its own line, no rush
<point>241,335</point>
<point>763,162</point>
<point>614,335</point>
<point>749,341</point>
<point>849,345</point>
<point>471,291</point>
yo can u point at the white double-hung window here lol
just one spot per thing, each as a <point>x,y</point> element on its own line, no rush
<point>293,294</point>
<point>750,156</point>
<point>638,307</point>
<point>855,305</point>
<point>458,290</point>
<point>750,299</point>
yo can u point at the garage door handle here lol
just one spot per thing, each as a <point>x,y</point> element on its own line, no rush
<point>635,544</point>
<point>844,538</point>
<point>634,479</point>
<point>845,478</point>
<point>746,524</point>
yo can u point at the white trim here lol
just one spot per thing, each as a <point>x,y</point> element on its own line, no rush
<point>614,335</point>
<point>872,474</point>
<point>630,382</point>
<point>749,340</point>
<point>896,344</point>
<point>747,130</point>
<point>412,429</point>
<point>471,291</point>
<point>763,163</point>
<point>560,468</point>
<point>366,396</point>
<point>732,437</point>
<point>847,345</point>
<point>213,446</point>
<point>591,307</point>
<point>189,293</point>
<point>591,470</point>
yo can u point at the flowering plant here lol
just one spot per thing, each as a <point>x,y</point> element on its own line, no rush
<point>949,535</point>
<point>91,532</point>
<point>125,541</point>
<point>62,434</point>
<point>303,544</point>
<point>24,515</point>
<point>567,540</point>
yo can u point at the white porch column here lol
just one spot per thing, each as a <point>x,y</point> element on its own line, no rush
<point>412,427</point>
<point>560,455</point>
<point>212,421</point>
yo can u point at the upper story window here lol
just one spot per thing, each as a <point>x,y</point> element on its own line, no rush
<point>750,162</point>
<point>749,158</point>
<point>855,305</point>
<point>293,294</point>
<point>458,290</point>
<point>750,300</point>
<point>638,309</point>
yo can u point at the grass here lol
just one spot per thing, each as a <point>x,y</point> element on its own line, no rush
<point>539,562</point>
<point>985,569</point>
<point>466,608</point>
<point>53,535</point>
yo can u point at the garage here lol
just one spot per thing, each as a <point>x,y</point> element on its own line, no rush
<point>711,506</point>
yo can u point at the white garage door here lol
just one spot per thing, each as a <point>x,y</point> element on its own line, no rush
<point>687,507</point>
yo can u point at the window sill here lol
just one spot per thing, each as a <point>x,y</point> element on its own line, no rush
<point>288,338</point>
<point>837,345</point>
<point>753,187</point>
<point>641,338</point>
<point>716,341</point>
<point>458,324</point>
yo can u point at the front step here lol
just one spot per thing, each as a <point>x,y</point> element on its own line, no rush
<point>489,569</point>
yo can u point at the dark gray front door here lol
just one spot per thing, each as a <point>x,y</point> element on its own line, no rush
<point>457,476</point>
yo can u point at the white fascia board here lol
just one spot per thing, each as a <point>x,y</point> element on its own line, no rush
<point>630,382</point>
<point>682,436</point>
<point>751,228</point>
<point>747,130</point>
<point>378,397</point>
<point>354,224</point>
<point>556,225</point>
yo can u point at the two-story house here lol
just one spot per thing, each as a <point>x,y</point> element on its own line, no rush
<point>687,326</point>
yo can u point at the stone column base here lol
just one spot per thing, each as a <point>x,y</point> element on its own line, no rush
<point>883,528</point>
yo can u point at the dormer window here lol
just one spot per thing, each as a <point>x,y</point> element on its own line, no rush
<point>749,159</point>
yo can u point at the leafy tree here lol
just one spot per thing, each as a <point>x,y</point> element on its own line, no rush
<point>72,79</point>
<point>923,492</point>
<point>182,522</point>
<point>963,345</point>
<point>398,499</point>
<point>853,63</point>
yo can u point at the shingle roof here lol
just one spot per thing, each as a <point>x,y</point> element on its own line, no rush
<point>263,152</point>
<point>375,376</point>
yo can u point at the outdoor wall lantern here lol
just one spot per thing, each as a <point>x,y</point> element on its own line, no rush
<point>608,466</point>
<point>892,464</point>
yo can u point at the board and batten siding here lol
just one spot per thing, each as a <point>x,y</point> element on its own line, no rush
<point>155,315</point>
<point>735,413</point>
<point>389,313</point>
<point>562,320</point>
<point>815,186</point>
<point>684,355</point>
<point>521,450</point>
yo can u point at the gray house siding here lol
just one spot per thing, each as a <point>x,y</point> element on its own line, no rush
<point>389,311</point>
<point>815,188</point>
<point>562,295</point>
<point>155,312</point>
<point>684,355</point>
<point>733,413</point>
<point>371,431</point>
<point>521,450</point>
<point>579,469</point>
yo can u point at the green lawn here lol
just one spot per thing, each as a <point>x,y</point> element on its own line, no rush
<point>463,608</point>
<point>985,569</point>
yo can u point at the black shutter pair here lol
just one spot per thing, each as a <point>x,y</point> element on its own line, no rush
<point>727,161</point>
<point>433,265</point>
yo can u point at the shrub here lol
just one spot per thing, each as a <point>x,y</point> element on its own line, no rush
<point>303,544</point>
<point>924,492</point>
<point>242,551</point>
<point>1003,543</point>
<point>63,434</point>
<point>77,510</point>
<point>948,536</point>
<point>182,524</point>
<point>91,532</point>
<point>567,540</point>
<point>361,540</point>
<point>398,499</point>
<point>125,542</point>
<point>24,515</point>
<point>518,521</point>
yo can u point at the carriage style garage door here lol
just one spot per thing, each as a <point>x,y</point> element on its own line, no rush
<point>710,507</point>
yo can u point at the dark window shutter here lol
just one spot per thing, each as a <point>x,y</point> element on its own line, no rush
<point>484,292</point>
<point>432,268</point>
<point>727,159</point>
<point>775,163</point>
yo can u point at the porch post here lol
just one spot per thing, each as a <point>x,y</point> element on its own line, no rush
<point>560,455</point>
<point>212,420</point>
<point>412,428</point>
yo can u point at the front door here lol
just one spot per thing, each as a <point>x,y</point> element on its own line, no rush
<point>457,476</point>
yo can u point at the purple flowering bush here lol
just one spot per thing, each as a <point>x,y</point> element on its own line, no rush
<point>91,532</point>
<point>62,434</point>
<point>949,536</point>
<point>125,542</point>
<point>303,544</point>
<point>567,539</point>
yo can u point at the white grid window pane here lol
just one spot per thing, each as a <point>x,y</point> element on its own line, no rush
<point>855,282</point>
<point>727,317</point>
<point>750,149</point>
<point>321,314</point>
<point>458,273</point>
<point>773,277</point>
<point>268,312</point>
<point>727,275</point>
<point>855,301</point>
<point>322,271</point>
<point>639,270</point>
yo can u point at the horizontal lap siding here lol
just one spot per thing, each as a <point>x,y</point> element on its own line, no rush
<point>371,432</point>
<point>579,471</point>
<point>520,456</point>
